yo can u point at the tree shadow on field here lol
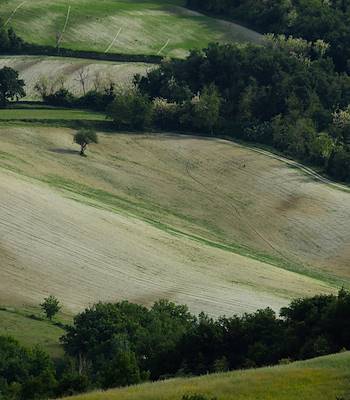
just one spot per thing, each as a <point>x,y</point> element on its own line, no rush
<point>64,151</point>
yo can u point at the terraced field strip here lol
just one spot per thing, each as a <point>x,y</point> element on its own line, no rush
<point>28,114</point>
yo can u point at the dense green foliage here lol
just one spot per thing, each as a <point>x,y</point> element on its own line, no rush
<point>84,137</point>
<point>167,340</point>
<point>11,87</point>
<point>50,306</point>
<point>308,19</point>
<point>9,41</point>
<point>286,94</point>
<point>24,374</point>
<point>118,344</point>
<point>130,110</point>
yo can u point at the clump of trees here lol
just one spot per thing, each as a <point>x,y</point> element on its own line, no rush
<point>310,20</point>
<point>118,344</point>
<point>286,94</point>
<point>54,92</point>
<point>167,340</point>
<point>9,41</point>
<point>11,87</point>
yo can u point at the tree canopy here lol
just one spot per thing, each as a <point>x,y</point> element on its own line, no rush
<point>11,87</point>
<point>84,137</point>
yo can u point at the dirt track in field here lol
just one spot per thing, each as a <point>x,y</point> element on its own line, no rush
<point>216,190</point>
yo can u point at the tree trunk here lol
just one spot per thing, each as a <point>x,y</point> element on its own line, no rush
<point>82,150</point>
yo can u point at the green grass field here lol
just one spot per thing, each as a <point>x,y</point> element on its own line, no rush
<point>45,113</point>
<point>31,331</point>
<point>124,26</point>
<point>325,378</point>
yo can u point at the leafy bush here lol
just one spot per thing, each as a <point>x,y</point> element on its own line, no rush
<point>130,110</point>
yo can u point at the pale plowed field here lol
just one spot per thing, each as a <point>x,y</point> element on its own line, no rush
<point>146,216</point>
<point>97,74</point>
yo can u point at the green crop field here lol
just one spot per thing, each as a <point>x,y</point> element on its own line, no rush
<point>30,330</point>
<point>28,113</point>
<point>325,378</point>
<point>123,26</point>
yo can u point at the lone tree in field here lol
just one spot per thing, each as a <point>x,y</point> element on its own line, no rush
<point>50,306</point>
<point>10,86</point>
<point>85,137</point>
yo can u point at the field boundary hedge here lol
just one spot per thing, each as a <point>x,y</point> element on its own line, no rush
<point>33,49</point>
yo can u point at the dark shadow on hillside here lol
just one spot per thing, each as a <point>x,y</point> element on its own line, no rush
<point>64,151</point>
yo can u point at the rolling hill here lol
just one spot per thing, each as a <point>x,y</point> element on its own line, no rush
<point>218,226</point>
<point>325,378</point>
<point>124,26</point>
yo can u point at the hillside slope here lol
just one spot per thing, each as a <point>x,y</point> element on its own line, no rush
<point>151,216</point>
<point>123,26</point>
<point>323,378</point>
<point>63,69</point>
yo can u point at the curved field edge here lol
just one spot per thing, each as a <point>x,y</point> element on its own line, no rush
<point>155,27</point>
<point>324,378</point>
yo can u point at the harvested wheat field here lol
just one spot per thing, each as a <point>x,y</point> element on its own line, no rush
<point>125,26</point>
<point>218,226</point>
<point>66,71</point>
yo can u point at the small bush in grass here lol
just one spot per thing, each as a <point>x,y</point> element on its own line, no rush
<point>50,306</point>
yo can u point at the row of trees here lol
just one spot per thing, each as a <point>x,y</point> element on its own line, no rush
<point>308,19</point>
<point>286,94</point>
<point>118,344</point>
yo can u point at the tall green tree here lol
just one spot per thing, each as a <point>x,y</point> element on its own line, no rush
<point>11,87</point>
<point>51,306</point>
<point>207,109</point>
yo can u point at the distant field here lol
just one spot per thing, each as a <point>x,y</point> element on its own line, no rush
<point>30,332</point>
<point>146,216</point>
<point>32,68</point>
<point>23,113</point>
<point>123,26</point>
<point>326,378</point>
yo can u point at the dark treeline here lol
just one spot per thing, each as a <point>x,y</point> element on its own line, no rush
<point>118,344</point>
<point>286,94</point>
<point>309,19</point>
